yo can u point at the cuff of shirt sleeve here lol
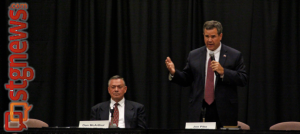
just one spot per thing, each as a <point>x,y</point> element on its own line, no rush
<point>170,77</point>
<point>222,76</point>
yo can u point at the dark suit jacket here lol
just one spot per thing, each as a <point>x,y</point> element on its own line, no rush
<point>225,89</point>
<point>135,116</point>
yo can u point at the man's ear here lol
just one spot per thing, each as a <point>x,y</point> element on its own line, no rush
<point>125,89</point>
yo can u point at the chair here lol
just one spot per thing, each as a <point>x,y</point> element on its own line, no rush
<point>289,125</point>
<point>243,126</point>
<point>31,123</point>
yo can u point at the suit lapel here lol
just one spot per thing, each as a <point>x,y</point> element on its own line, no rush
<point>222,58</point>
<point>104,111</point>
<point>203,62</point>
<point>129,112</point>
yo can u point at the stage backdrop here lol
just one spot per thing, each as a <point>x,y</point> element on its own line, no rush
<point>75,46</point>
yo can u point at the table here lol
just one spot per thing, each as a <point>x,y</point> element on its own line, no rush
<point>66,130</point>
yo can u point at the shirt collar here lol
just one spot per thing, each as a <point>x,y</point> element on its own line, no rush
<point>121,102</point>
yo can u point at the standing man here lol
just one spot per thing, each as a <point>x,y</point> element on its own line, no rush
<point>214,71</point>
<point>127,114</point>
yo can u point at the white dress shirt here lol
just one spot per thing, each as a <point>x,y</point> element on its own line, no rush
<point>217,56</point>
<point>121,108</point>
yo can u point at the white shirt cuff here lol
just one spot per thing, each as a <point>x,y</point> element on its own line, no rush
<point>170,77</point>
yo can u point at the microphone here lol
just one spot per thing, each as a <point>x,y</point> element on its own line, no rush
<point>212,57</point>
<point>112,112</point>
<point>203,110</point>
<point>112,125</point>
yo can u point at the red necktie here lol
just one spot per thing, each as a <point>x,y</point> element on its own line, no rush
<point>116,115</point>
<point>209,86</point>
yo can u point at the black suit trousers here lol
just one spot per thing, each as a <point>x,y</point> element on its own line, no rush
<point>211,114</point>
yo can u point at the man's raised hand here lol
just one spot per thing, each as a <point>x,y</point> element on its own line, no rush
<point>170,66</point>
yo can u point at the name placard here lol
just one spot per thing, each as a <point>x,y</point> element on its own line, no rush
<point>200,125</point>
<point>94,124</point>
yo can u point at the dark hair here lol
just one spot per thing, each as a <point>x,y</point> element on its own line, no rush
<point>116,77</point>
<point>208,25</point>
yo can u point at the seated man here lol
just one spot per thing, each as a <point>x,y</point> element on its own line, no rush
<point>127,114</point>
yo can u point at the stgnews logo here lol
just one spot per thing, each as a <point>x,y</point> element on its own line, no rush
<point>19,72</point>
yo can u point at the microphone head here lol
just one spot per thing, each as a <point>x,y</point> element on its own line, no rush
<point>112,112</point>
<point>211,54</point>
<point>204,111</point>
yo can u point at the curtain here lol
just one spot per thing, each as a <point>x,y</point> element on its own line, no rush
<point>75,46</point>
